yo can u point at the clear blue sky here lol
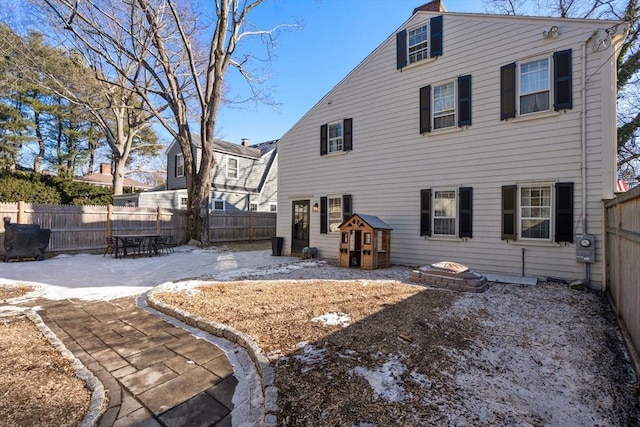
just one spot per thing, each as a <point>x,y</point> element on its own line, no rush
<point>336,35</point>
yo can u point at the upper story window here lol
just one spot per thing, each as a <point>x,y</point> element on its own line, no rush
<point>232,167</point>
<point>538,212</point>
<point>445,105</point>
<point>179,166</point>
<point>530,86</point>
<point>534,86</point>
<point>444,109</point>
<point>253,207</point>
<point>336,137</point>
<point>446,212</point>
<point>419,43</point>
<point>273,207</point>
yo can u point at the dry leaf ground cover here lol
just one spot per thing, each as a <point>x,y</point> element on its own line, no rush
<point>38,386</point>
<point>365,349</point>
<point>401,354</point>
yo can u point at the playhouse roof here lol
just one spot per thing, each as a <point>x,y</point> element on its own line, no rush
<point>371,220</point>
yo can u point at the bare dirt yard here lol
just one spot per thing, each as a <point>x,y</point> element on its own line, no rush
<point>357,348</point>
<point>369,348</point>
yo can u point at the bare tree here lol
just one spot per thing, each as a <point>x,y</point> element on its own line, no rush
<point>168,38</point>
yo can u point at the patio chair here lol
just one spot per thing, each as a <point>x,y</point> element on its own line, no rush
<point>110,246</point>
<point>132,246</point>
<point>161,244</point>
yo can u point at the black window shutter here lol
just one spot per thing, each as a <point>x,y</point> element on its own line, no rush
<point>562,84</point>
<point>323,139</point>
<point>436,36</point>
<point>425,212</point>
<point>346,207</point>
<point>465,224</point>
<point>401,49</point>
<point>564,212</point>
<point>464,101</point>
<point>509,214</point>
<point>425,109</point>
<point>323,215</point>
<point>347,125</point>
<point>175,165</point>
<point>508,91</point>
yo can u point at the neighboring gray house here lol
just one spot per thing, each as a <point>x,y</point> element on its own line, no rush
<point>244,178</point>
<point>488,140</point>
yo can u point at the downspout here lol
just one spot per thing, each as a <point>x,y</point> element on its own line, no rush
<point>583,147</point>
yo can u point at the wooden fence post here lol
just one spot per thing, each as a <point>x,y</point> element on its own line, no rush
<point>158,221</point>
<point>21,214</point>
<point>251,226</point>
<point>109,220</point>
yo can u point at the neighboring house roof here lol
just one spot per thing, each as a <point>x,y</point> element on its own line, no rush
<point>105,179</point>
<point>251,151</point>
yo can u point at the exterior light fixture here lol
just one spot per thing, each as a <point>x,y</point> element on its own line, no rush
<point>316,207</point>
<point>552,33</point>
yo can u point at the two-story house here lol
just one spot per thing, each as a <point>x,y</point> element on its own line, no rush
<point>244,178</point>
<point>487,140</point>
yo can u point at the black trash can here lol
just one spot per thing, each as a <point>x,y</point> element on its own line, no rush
<point>276,246</point>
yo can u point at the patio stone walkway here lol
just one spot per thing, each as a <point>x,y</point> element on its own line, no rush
<point>154,374</point>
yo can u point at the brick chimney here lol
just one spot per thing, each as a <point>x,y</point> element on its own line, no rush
<point>105,168</point>
<point>245,142</point>
<point>433,6</point>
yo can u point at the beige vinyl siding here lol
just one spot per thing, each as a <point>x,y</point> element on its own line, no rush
<point>391,161</point>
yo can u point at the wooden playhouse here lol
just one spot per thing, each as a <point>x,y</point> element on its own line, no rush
<point>365,242</point>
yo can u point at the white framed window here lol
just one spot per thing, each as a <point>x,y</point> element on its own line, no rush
<point>183,202</point>
<point>335,137</point>
<point>444,105</point>
<point>334,213</point>
<point>179,165</point>
<point>418,43</point>
<point>253,207</point>
<point>273,207</point>
<point>444,212</point>
<point>217,205</point>
<point>534,85</point>
<point>232,167</point>
<point>535,208</point>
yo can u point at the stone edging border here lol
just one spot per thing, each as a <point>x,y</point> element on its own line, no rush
<point>265,370</point>
<point>98,397</point>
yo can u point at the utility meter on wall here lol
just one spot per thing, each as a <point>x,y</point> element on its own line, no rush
<point>585,248</point>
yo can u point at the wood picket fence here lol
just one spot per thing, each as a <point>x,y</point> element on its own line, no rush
<point>84,228</point>
<point>622,252</point>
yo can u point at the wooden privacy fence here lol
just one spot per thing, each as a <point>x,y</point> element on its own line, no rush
<point>241,225</point>
<point>84,228</point>
<point>622,251</point>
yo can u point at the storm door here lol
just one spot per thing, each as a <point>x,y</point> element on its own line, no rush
<point>300,226</point>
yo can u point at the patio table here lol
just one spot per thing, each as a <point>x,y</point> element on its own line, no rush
<point>146,242</point>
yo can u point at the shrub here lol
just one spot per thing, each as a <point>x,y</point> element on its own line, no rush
<point>15,189</point>
<point>35,188</point>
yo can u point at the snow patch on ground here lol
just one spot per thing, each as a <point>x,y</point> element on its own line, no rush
<point>386,380</point>
<point>333,319</point>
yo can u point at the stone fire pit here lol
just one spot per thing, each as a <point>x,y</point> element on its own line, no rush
<point>450,275</point>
